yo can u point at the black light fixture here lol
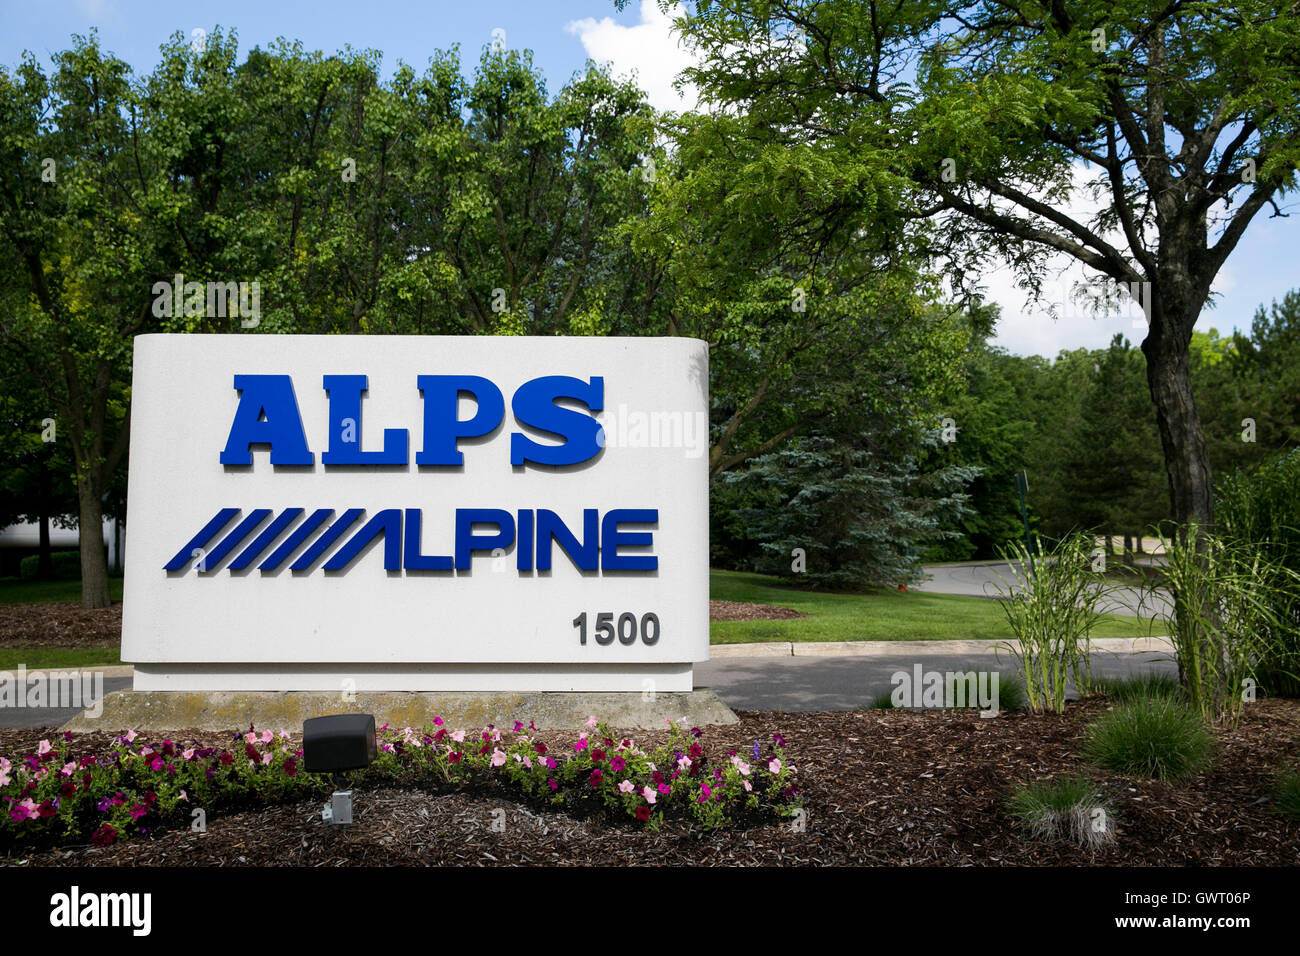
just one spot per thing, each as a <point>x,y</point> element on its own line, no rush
<point>335,745</point>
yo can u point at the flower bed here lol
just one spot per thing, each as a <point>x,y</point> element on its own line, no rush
<point>56,795</point>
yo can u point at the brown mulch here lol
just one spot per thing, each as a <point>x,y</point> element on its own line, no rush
<point>744,611</point>
<point>60,624</point>
<point>880,788</point>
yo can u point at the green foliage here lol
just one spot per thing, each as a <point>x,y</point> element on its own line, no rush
<point>1051,606</point>
<point>58,794</point>
<point>66,565</point>
<point>1260,508</point>
<point>1151,685</point>
<point>1069,808</point>
<point>1117,479</point>
<point>861,517</point>
<point>1150,737</point>
<point>1286,794</point>
<point>1224,616</point>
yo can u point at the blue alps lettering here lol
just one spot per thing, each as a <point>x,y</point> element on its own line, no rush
<point>268,417</point>
<point>532,534</point>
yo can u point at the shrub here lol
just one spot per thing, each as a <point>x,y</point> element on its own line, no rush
<point>1150,737</point>
<point>1069,808</point>
<point>1052,604</point>
<point>1149,685</point>
<point>66,565</point>
<point>1261,508</point>
<point>1223,615</point>
<point>1286,794</point>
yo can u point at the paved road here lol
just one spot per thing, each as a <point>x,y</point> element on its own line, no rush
<point>841,681</point>
<point>985,580</point>
<point>850,682</point>
<point>15,717</point>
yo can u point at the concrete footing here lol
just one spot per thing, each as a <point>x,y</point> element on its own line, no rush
<point>286,710</point>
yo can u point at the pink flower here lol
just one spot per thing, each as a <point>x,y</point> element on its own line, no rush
<point>550,763</point>
<point>743,768</point>
<point>627,786</point>
<point>705,792</point>
<point>267,736</point>
<point>266,759</point>
<point>41,774</point>
<point>591,722</point>
<point>527,763</point>
<point>437,721</point>
<point>774,765</point>
<point>518,726</point>
<point>188,754</point>
<point>68,768</point>
<point>650,795</point>
<point>129,736</point>
<point>284,735</point>
<point>5,767</point>
<point>184,796</point>
<point>498,757</point>
<point>748,786</point>
<point>250,738</point>
<point>664,789</point>
<point>458,736</point>
<point>43,748</point>
<point>581,745</point>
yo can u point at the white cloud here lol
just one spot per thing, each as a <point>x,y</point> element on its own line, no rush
<point>650,49</point>
<point>1027,328</point>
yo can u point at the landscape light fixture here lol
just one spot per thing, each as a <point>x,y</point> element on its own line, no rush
<point>335,745</point>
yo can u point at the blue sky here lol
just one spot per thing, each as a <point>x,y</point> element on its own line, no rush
<point>562,35</point>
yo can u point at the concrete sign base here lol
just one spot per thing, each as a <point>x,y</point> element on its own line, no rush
<point>170,711</point>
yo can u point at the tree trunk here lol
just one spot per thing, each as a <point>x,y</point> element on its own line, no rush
<point>94,563</point>
<point>1128,550</point>
<point>44,563</point>
<point>1187,460</point>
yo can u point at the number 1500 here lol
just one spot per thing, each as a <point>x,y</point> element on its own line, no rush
<point>627,630</point>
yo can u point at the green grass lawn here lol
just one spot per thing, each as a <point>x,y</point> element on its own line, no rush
<point>880,616</point>
<point>17,591</point>
<point>56,658</point>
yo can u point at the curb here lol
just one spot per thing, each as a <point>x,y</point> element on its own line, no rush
<point>1106,645</point>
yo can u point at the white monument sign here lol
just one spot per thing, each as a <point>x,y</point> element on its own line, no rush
<point>417,513</point>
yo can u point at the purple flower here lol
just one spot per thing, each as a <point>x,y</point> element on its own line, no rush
<point>758,750</point>
<point>778,740</point>
<point>696,732</point>
<point>103,805</point>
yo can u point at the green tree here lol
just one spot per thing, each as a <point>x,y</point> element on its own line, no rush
<point>1113,456</point>
<point>1181,115</point>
